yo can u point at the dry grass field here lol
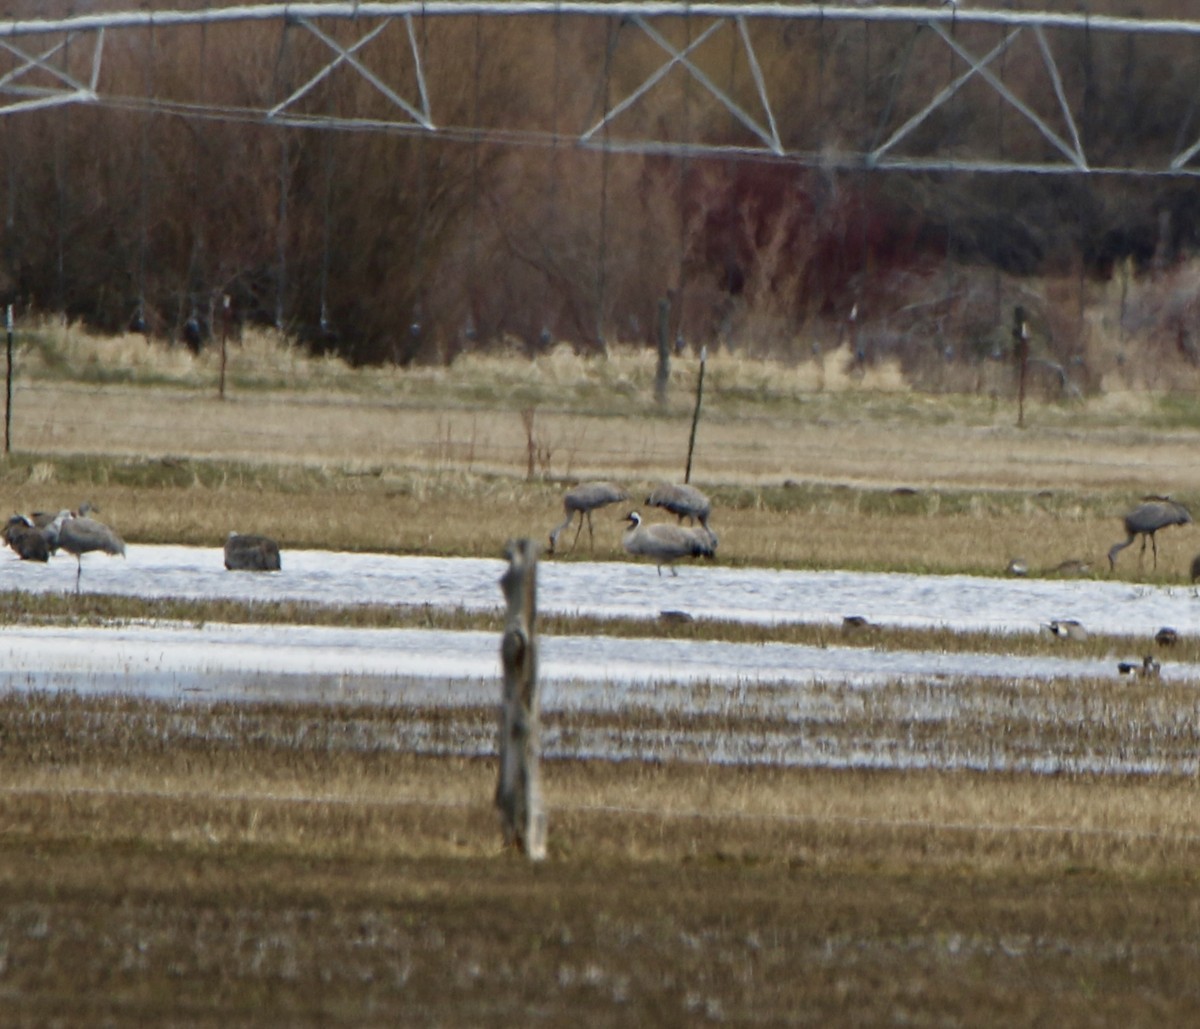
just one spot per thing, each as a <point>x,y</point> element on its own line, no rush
<point>202,865</point>
<point>807,468</point>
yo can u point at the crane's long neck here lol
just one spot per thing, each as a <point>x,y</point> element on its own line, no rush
<point>557,530</point>
<point>1117,548</point>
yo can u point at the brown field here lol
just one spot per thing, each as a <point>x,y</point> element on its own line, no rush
<point>200,865</point>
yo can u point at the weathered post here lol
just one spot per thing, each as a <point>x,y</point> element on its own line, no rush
<point>1020,331</point>
<point>225,315</point>
<point>687,475</point>
<point>8,376</point>
<point>663,374</point>
<point>519,790</point>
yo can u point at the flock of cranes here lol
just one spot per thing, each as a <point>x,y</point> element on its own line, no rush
<point>37,537</point>
<point>664,543</point>
<point>41,535</point>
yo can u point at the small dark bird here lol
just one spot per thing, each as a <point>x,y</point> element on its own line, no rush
<point>80,535</point>
<point>1148,669</point>
<point>250,553</point>
<point>675,617</point>
<point>583,500</point>
<point>683,501</point>
<point>1166,637</point>
<point>665,544</point>
<point>1145,520</point>
<point>854,623</point>
<point>29,542</point>
<point>1071,566</point>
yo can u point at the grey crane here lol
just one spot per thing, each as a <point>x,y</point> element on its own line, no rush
<point>246,552</point>
<point>583,500</point>
<point>665,544</point>
<point>1145,520</point>
<point>42,519</point>
<point>80,535</point>
<point>681,500</point>
<point>29,542</point>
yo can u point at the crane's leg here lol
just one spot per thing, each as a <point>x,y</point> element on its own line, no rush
<point>78,571</point>
<point>1154,549</point>
<point>578,530</point>
<point>591,534</point>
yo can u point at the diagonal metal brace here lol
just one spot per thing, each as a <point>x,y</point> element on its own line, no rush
<point>772,140</point>
<point>1072,153</point>
<point>347,56</point>
<point>680,57</point>
<point>75,91</point>
<point>941,98</point>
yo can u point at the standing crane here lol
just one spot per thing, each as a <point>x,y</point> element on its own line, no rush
<point>665,544</point>
<point>583,500</point>
<point>1145,520</point>
<point>79,535</point>
<point>681,500</point>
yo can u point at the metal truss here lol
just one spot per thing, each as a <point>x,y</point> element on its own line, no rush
<point>60,62</point>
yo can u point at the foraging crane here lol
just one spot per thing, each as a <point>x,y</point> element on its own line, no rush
<point>681,500</point>
<point>1145,520</point>
<point>250,553</point>
<point>665,544</point>
<point>29,542</point>
<point>583,500</point>
<point>80,535</point>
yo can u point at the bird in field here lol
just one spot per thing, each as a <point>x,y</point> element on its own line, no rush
<point>582,500</point>
<point>1166,636</point>
<point>250,553</point>
<point>1145,520</point>
<point>28,541</point>
<point>683,501</point>
<point>1071,566</point>
<point>81,535</point>
<point>42,519</point>
<point>1067,629</point>
<point>1148,669</point>
<point>665,544</point>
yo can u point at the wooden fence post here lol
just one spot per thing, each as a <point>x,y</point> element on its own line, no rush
<point>687,475</point>
<point>8,379</point>
<point>663,374</point>
<point>1020,331</point>
<point>519,790</point>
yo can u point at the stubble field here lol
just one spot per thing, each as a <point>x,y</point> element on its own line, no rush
<point>196,864</point>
